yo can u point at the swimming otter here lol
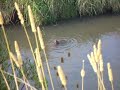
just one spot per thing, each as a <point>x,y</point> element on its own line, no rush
<point>58,42</point>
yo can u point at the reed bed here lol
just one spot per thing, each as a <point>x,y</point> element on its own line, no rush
<point>17,63</point>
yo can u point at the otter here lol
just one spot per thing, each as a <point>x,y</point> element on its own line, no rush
<point>57,42</point>
<point>60,42</point>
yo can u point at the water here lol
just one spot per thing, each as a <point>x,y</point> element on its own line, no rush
<point>78,38</point>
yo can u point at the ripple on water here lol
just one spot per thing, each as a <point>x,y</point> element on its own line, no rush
<point>65,45</point>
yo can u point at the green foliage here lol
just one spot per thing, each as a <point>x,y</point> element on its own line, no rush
<point>50,11</point>
<point>3,50</point>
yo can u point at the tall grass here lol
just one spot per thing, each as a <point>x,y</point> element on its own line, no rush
<point>17,63</point>
<point>50,11</point>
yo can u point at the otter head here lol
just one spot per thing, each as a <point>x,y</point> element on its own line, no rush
<point>57,42</point>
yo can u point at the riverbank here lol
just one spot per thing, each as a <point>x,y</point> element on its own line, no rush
<point>51,11</point>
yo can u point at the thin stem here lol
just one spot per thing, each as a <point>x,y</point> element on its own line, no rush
<point>8,87</point>
<point>26,33</point>
<point>83,77</point>
<point>82,83</point>
<point>65,87</point>
<point>8,48</point>
<point>6,40</point>
<point>48,67</point>
<point>43,88</point>
<point>100,81</point>
<point>36,40</point>
<point>24,77</point>
<point>102,78</point>
<point>112,86</point>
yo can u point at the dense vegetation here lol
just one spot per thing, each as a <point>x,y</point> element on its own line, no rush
<point>3,51</point>
<point>50,11</point>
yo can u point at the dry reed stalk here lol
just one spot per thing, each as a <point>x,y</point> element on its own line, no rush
<point>101,64</point>
<point>40,76</point>
<point>43,48</point>
<point>95,53</point>
<point>20,16</point>
<point>26,33</point>
<point>20,80</point>
<point>29,42</point>
<point>40,38</point>
<point>92,63</point>
<point>1,19</point>
<point>8,48</point>
<point>31,19</point>
<point>38,58</point>
<point>12,57</point>
<point>62,77</point>
<point>8,87</point>
<point>19,66</point>
<point>24,78</point>
<point>83,75</point>
<point>96,62</point>
<point>99,45</point>
<point>19,60</point>
<point>19,57</point>
<point>101,68</point>
<point>40,64</point>
<point>15,59</point>
<point>110,75</point>
<point>99,52</point>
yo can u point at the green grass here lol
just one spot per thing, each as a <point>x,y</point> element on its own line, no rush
<point>51,11</point>
<point>3,51</point>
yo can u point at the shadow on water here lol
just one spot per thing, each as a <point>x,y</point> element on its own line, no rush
<point>78,37</point>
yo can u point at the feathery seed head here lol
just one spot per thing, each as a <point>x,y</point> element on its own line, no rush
<point>20,16</point>
<point>40,75</point>
<point>110,75</point>
<point>101,66</point>
<point>16,46</point>
<point>62,75</point>
<point>40,38</point>
<point>99,44</point>
<point>38,57</point>
<point>95,54</point>
<point>19,57</point>
<point>1,19</point>
<point>92,57</point>
<point>82,73</point>
<point>99,47</point>
<point>14,59</point>
<point>32,22</point>
<point>108,65</point>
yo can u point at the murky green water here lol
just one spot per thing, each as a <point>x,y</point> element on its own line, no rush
<point>79,35</point>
